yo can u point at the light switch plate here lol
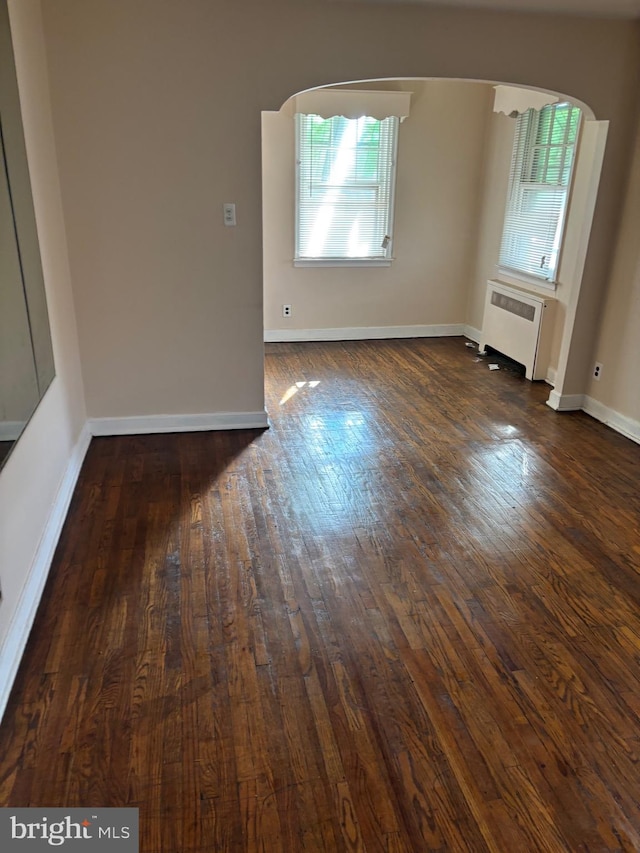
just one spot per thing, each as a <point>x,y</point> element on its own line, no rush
<point>229,213</point>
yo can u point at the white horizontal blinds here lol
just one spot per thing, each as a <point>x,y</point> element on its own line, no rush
<point>541,167</point>
<point>345,186</point>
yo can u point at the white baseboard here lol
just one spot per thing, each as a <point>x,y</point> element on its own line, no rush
<point>581,402</point>
<point>620,423</point>
<point>472,333</point>
<point>565,402</point>
<point>22,620</point>
<point>364,333</point>
<point>11,430</point>
<point>178,423</point>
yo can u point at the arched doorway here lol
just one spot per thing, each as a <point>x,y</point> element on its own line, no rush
<point>454,153</point>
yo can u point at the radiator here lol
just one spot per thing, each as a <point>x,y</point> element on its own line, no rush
<point>519,324</point>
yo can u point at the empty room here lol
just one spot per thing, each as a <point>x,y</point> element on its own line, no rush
<point>319,350</point>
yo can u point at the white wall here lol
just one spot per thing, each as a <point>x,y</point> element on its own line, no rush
<point>440,165</point>
<point>37,478</point>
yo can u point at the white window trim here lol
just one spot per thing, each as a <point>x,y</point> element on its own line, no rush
<point>349,262</point>
<point>513,276</point>
<point>517,276</point>
<point>342,262</point>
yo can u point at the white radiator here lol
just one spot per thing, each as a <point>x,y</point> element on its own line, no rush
<point>519,324</point>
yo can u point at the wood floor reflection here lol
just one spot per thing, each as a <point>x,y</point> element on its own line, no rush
<point>404,618</point>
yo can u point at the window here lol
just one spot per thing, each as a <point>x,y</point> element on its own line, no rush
<point>345,185</point>
<point>541,167</point>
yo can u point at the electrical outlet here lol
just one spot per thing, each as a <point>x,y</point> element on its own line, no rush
<point>597,370</point>
<point>286,310</point>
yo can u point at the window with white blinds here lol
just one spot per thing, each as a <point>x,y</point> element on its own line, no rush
<point>541,168</point>
<point>345,186</point>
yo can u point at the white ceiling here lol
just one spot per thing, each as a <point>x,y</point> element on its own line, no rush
<point>600,8</point>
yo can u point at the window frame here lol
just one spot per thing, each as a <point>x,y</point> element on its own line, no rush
<point>522,164</point>
<point>347,261</point>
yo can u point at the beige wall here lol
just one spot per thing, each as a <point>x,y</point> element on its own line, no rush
<point>18,382</point>
<point>32,476</point>
<point>436,213</point>
<point>618,342</point>
<point>157,113</point>
<point>497,149</point>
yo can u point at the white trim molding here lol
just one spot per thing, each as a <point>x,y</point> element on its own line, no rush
<point>352,103</point>
<point>582,403</point>
<point>620,423</point>
<point>565,402</point>
<point>25,612</point>
<point>144,424</point>
<point>364,333</point>
<point>510,99</point>
<point>472,333</point>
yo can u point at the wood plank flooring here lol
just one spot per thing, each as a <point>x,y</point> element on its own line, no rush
<point>405,618</point>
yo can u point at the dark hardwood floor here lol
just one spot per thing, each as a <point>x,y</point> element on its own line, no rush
<point>405,618</point>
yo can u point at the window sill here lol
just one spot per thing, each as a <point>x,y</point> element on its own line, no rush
<point>509,276</point>
<point>342,262</point>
